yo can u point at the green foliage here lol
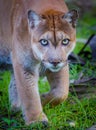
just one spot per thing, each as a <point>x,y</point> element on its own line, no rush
<point>86,26</point>
<point>73,114</point>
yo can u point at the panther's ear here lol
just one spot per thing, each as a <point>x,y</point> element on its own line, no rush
<point>33,19</point>
<point>71,17</point>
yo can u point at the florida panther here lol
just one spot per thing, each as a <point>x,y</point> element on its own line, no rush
<point>37,34</point>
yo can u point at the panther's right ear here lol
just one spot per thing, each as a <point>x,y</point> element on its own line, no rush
<point>33,19</point>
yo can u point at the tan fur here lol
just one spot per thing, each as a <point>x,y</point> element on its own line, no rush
<point>21,35</point>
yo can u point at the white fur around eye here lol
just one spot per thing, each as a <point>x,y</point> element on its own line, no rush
<point>73,46</point>
<point>37,52</point>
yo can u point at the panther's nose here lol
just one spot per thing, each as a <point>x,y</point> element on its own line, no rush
<point>55,63</point>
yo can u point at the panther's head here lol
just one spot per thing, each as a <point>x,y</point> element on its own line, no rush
<point>53,37</point>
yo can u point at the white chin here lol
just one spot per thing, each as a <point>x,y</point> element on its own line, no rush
<point>54,70</point>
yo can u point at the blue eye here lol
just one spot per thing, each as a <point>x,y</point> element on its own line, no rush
<point>44,42</point>
<point>65,41</point>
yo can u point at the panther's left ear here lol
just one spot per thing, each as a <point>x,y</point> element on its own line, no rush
<point>34,19</point>
<point>72,17</point>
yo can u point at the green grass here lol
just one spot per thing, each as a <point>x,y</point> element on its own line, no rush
<point>73,114</point>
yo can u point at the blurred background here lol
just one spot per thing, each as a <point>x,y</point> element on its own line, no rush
<point>87,17</point>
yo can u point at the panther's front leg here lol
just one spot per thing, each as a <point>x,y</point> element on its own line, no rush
<point>27,88</point>
<point>59,82</point>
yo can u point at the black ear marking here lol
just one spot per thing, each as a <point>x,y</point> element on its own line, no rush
<point>72,17</point>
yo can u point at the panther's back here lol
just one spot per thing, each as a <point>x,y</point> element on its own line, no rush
<point>5,33</point>
<point>5,21</point>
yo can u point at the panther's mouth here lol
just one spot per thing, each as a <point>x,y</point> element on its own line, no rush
<point>55,68</point>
